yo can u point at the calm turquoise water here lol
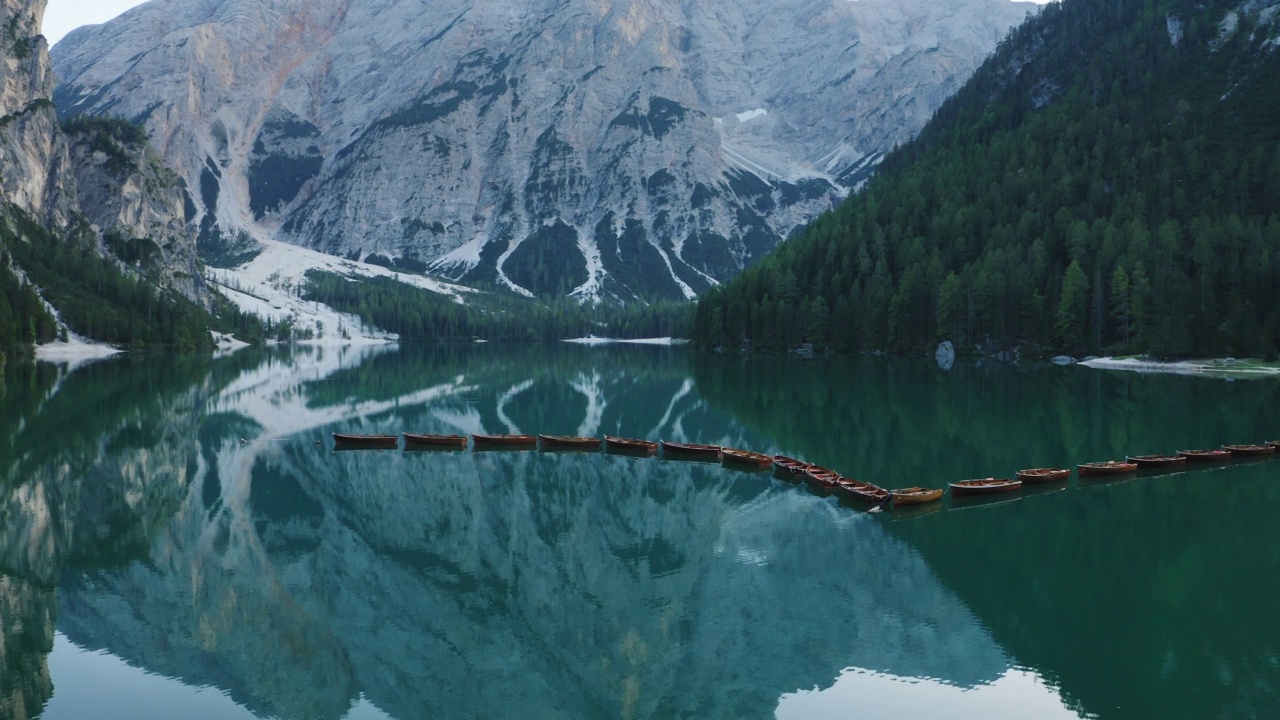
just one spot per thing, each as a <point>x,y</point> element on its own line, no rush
<point>179,538</point>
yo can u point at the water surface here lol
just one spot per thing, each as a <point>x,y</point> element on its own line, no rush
<point>178,537</point>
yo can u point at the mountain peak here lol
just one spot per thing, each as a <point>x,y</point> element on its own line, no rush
<point>606,150</point>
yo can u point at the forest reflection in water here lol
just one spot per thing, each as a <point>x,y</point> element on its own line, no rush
<point>195,522</point>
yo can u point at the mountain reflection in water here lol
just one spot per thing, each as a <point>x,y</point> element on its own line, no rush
<point>195,527</point>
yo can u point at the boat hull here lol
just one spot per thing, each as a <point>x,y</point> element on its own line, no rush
<point>1203,456</point>
<point>866,497</point>
<point>858,491</point>
<point>972,488</point>
<point>820,479</point>
<point>906,497</point>
<point>1249,450</point>
<point>1039,476</point>
<point>1157,462</point>
<point>629,446</point>
<point>563,442</point>
<point>436,442</point>
<point>1107,468</point>
<point>687,451</point>
<point>505,442</point>
<point>379,442</point>
<point>789,469</point>
<point>746,458</point>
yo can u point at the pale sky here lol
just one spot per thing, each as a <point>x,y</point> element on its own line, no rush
<point>63,16</point>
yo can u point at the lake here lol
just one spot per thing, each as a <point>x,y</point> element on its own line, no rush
<point>180,538</point>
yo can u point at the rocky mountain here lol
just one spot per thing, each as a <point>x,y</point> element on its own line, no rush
<point>1105,184</point>
<point>35,174</point>
<point>124,189</point>
<point>97,183</point>
<point>632,149</point>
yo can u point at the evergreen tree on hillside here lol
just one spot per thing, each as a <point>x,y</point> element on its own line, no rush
<point>1108,180</point>
<point>92,294</point>
<point>419,315</point>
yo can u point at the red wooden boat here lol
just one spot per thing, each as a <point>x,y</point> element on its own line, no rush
<point>1110,467</point>
<point>569,442</point>
<point>691,450</point>
<point>506,441</point>
<point>1157,461</point>
<point>629,445</point>
<point>821,479</point>
<point>456,442</point>
<point>367,441</point>
<point>1249,450</point>
<point>860,491</point>
<point>914,496</point>
<point>790,465</point>
<point>730,456</point>
<point>1043,475</point>
<point>789,468</point>
<point>986,486</point>
<point>1205,455</point>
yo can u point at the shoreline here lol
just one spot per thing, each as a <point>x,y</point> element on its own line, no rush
<point>1216,367</point>
<point>592,340</point>
<point>74,352</point>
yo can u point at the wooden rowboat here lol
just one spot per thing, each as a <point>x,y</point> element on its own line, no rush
<point>1249,450</point>
<point>629,446</point>
<point>790,466</point>
<point>569,442</point>
<point>506,441</point>
<point>454,442</point>
<point>1110,467</point>
<point>1042,475</point>
<point>789,469</point>
<point>691,450</point>
<point>1157,461</point>
<point>1205,455</point>
<point>914,496</point>
<point>861,491</point>
<point>745,457</point>
<point>367,441</point>
<point>820,479</point>
<point>986,486</point>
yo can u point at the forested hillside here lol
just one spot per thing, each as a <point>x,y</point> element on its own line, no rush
<point>92,294</point>
<point>417,315</point>
<point>1108,180</point>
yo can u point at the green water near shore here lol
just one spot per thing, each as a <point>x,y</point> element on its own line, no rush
<point>179,537</point>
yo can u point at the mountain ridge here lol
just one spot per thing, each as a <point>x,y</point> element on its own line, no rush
<point>93,238</point>
<point>617,151</point>
<point>1106,182</point>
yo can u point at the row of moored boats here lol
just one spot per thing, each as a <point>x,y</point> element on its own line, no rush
<point>820,479</point>
<point>610,444</point>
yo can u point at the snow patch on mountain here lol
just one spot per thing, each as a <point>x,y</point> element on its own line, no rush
<point>272,283</point>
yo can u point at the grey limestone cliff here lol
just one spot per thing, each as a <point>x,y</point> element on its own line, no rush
<point>122,190</point>
<point>125,190</point>
<point>617,150</point>
<point>34,169</point>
